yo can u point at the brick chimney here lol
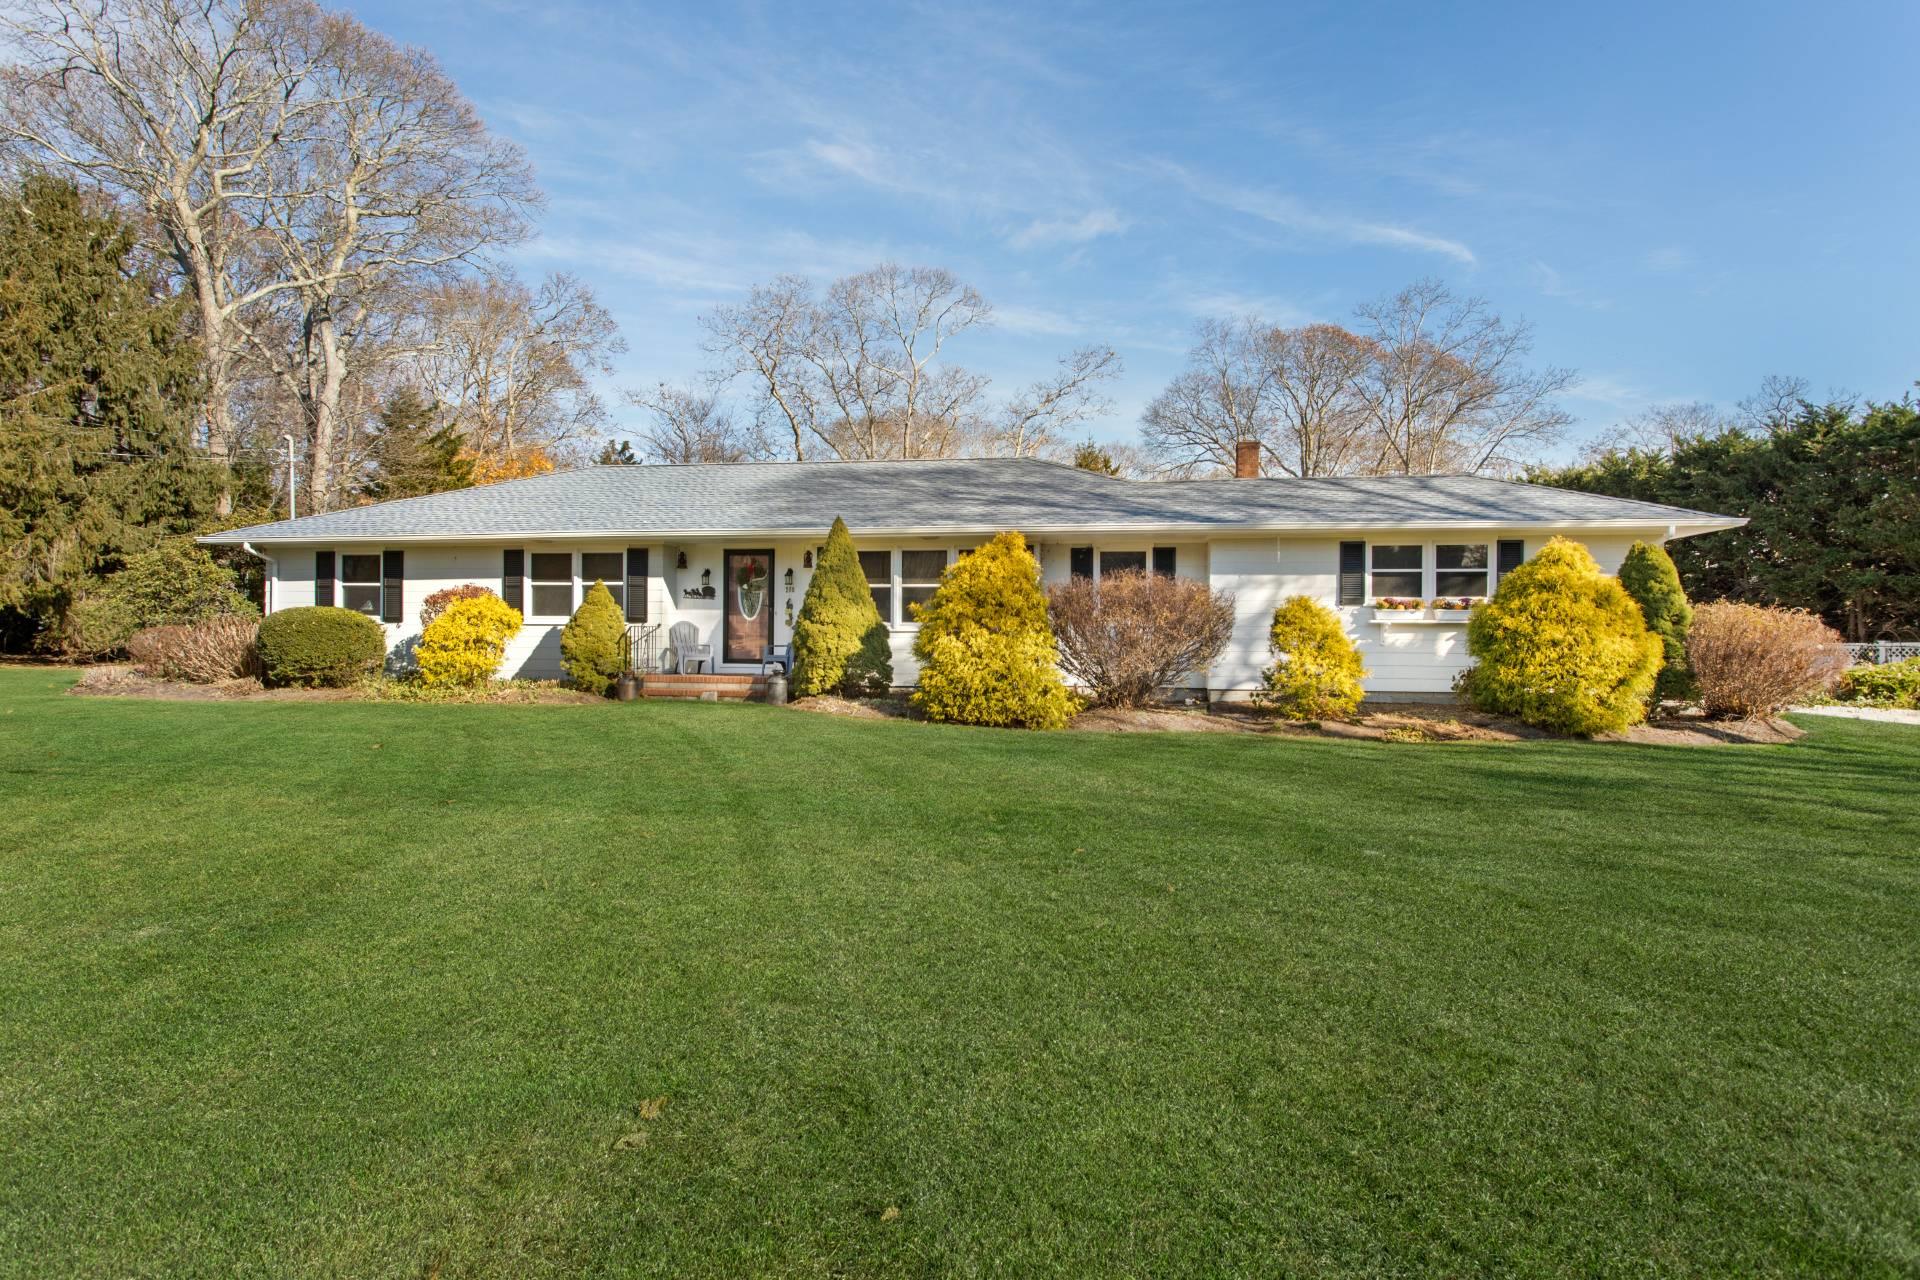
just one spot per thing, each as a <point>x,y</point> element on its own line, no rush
<point>1246,460</point>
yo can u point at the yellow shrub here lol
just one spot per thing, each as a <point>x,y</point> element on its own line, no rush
<point>1317,672</point>
<point>986,650</point>
<point>1001,678</point>
<point>593,644</point>
<point>1563,646</point>
<point>465,645</point>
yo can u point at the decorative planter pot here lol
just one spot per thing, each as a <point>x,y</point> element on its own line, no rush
<point>776,683</point>
<point>627,687</point>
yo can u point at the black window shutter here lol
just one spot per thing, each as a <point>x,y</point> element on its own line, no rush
<point>393,578</point>
<point>513,579</point>
<point>636,584</point>
<point>1164,561</point>
<point>1510,552</point>
<point>323,577</point>
<point>1353,573</point>
<point>1080,562</point>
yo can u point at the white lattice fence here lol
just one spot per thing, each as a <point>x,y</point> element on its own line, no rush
<point>1878,652</point>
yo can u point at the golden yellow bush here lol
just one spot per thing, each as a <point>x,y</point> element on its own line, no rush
<point>1006,679</point>
<point>1563,646</point>
<point>465,645</point>
<point>1317,672</point>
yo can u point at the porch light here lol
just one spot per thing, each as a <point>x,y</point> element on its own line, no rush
<point>706,579</point>
<point>789,579</point>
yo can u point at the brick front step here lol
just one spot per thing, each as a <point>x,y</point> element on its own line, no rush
<point>726,687</point>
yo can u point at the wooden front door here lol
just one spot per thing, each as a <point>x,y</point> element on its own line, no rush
<point>749,605</point>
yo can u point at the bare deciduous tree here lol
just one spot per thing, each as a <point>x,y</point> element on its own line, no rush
<point>860,371</point>
<point>1035,421</point>
<point>1661,429</point>
<point>1447,388</point>
<point>511,367</point>
<point>175,106</point>
<point>685,425</point>
<point>1292,390</point>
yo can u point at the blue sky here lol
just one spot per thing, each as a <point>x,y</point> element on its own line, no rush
<point>1681,199</point>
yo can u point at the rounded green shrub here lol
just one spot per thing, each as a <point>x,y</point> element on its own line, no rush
<point>840,643</point>
<point>173,584</point>
<point>1317,672</point>
<point>593,644</point>
<point>466,643</point>
<point>987,653</point>
<point>1562,646</point>
<point>1893,684</point>
<point>1650,578</point>
<point>320,646</point>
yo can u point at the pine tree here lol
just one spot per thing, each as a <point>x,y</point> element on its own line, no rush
<point>98,394</point>
<point>1650,578</point>
<point>617,453</point>
<point>411,456</point>
<point>840,645</point>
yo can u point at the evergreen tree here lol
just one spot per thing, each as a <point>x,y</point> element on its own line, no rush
<point>840,645</point>
<point>411,456</point>
<point>1650,578</point>
<point>986,649</point>
<point>617,453</point>
<point>1091,457</point>
<point>98,395</point>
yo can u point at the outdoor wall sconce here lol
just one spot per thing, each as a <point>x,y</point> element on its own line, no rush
<point>706,579</point>
<point>806,562</point>
<point>680,561</point>
<point>789,579</point>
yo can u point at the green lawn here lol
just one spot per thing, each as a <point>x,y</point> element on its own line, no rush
<point>301,989</point>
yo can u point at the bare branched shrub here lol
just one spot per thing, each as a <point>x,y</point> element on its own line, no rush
<point>1751,661</point>
<point>201,652</point>
<point>1135,633</point>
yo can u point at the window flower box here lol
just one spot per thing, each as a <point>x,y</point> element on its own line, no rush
<point>1453,608</point>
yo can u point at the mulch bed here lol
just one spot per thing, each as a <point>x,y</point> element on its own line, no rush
<point>1393,722</point>
<point>119,681</point>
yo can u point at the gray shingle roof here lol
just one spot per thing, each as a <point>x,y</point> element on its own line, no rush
<point>960,494</point>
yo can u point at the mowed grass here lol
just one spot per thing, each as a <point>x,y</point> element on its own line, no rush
<point>385,990</point>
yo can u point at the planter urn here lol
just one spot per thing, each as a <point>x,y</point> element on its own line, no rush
<point>627,687</point>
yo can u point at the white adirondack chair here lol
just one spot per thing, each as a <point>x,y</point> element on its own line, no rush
<point>688,654</point>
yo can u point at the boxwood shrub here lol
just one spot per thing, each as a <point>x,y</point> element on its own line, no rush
<point>320,646</point>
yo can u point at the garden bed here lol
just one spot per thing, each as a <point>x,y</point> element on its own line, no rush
<point>1410,723</point>
<point>120,681</point>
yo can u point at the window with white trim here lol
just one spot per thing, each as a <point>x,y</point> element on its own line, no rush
<point>360,582</point>
<point>1397,570</point>
<point>1460,570</point>
<point>609,567</point>
<point>551,576</point>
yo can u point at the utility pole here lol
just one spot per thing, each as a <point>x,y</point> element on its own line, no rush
<point>292,510</point>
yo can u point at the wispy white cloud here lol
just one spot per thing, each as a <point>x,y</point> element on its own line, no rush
<point>1295,215</point>
<point>1668,259</point>
<point>1554,285</point>
<point>1035,320</point>
<point>1050,231</point>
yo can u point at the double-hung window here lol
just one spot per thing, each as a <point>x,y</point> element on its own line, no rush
<point>878,566</point>
<point>1460,569</point>
<point>609,567</point>
<point>1398,571</point>
<point>360,583</point>
<point>919,577</point>
<point>551,573</point>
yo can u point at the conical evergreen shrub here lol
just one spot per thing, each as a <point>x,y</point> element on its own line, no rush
<point>1563,646</point>
<point>1650,578</point>
<point>986,649</point>
<point>593,644</point>
<point>840,643</point>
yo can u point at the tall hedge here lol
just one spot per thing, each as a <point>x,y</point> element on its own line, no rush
<point>320,645</point>
<point>1650,578</point>
<point>840,642</point>
<point>986,650</point>
<point>593,644</point>
<point>1562,646</point>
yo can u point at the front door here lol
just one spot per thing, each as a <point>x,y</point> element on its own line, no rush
<point>749,596</point>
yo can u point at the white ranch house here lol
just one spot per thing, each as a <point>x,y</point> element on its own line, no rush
<point>675,543</point>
